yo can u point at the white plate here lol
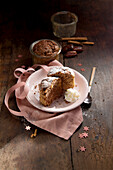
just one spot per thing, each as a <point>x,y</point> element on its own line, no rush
<point>59,105</point>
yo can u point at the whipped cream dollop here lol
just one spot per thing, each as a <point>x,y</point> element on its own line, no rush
<point>71,95</point>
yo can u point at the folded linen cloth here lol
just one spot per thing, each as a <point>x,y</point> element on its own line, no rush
<point>60,124</point>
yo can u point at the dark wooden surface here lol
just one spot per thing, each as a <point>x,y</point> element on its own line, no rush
<point>20,25</point>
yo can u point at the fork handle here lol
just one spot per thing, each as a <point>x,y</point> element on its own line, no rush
<point>92,76</point>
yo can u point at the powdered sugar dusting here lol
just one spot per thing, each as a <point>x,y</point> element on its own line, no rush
<point>46,82</point>
<point>63,70</point>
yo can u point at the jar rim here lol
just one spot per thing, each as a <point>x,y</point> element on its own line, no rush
<point>64,12</point>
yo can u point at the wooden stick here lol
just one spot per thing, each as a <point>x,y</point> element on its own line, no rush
<point>92,76</point>
<point>75,38</point>
<point>75,42</point>
<point>35,133</point>
<point>32,135</point>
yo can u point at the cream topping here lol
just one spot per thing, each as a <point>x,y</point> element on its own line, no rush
<point>72,95</point>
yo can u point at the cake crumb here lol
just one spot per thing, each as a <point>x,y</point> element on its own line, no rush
<point>35,87</point>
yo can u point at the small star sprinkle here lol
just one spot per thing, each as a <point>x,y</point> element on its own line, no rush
<point>23,66</point>
<point>79,64</point>
<point>16,59</point>
<point>19,56</point>
<point>86,128</point>
<point>27,127</point>
<point>85,135</point>
<point>80,135</point>
<point>82,69</point>
<point>82,148</point>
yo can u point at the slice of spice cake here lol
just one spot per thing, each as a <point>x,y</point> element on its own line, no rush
<point>50,89</point>
<point>66,74</point>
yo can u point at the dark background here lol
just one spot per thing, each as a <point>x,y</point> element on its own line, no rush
<point>34,16</point>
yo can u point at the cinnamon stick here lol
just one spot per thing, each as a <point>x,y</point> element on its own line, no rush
<point>81,43</point>
<point>75,42</point>
<point>75,38</point>
<point>88,43</point>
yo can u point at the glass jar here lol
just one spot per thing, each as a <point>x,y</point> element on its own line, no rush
<point>64,24</point>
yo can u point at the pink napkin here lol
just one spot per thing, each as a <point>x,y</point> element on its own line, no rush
<point>60,124</point>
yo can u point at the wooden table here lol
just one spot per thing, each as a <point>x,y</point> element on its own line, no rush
<point>20,25</point>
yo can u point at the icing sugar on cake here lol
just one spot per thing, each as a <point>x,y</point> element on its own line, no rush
<point>63,70</point>
<point>46,82</point>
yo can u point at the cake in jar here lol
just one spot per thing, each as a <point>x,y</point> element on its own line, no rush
<point>46,48</point>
